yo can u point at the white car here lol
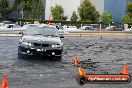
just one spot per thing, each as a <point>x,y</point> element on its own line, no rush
<point>128,29</point>
<point>90,28</point>
<point>25,26</point>
<point>10,27</point>
<point>110,28</point>
<point>70,28</point>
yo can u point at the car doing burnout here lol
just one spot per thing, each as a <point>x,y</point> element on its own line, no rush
<point>40,40</point>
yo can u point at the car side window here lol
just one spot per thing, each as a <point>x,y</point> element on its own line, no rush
<point>15,26</point>
<point>10,26</point>
<point>87,28</point>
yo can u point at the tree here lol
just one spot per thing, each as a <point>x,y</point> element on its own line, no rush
<point>88,12</point>
<point>58,13</point>
<point>32,8</point>
<point>74,16</point>
<point>64,17</point>
<point>5,10</point>
<point>36,9</point>
<point>106,17</point>
<point>129,9</point>
<point>128,18</point>
<point>4,3</point>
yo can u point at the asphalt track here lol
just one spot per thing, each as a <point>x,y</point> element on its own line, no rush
<point>110,52</point>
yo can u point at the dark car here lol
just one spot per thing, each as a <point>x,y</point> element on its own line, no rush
<point>40,40</point>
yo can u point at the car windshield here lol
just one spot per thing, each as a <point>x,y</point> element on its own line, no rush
<point>41,30</point>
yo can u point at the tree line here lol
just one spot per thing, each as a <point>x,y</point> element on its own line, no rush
<point>128,17</point>
<point>85,12</point>
<point>32,8</point>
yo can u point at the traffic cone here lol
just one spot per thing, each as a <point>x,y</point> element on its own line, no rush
<point>4,82</point>
<point>124,69</point>
<point>76,59</point>
<point>101,37</point>
<point>49,19</point>
<point>91,35</point>
<point>82,72</point>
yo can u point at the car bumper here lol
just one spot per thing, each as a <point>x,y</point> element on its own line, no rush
<point>40,51</point>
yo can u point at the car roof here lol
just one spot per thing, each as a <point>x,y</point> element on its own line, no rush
<point>86,26</point>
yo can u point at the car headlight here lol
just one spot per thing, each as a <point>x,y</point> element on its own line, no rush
<point>26,43</point>
<point>56,46</point>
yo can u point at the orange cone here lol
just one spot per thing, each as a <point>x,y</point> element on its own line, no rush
<point>49,19</point>
<point>4,82</point>
<point>76,59</point>
<point>82,72</point>
<point>124,69</point>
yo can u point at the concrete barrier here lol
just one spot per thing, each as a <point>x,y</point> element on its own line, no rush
<point>70,33</point>
<point>90,33</point>
<point>10,32</point>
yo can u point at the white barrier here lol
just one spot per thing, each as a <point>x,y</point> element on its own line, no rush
<point>70,33</point>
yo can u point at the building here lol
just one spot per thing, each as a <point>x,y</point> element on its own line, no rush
<point>116,8</point>
<point>99,5</point>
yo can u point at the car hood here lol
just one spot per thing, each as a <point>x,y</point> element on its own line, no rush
<point>41,39</point>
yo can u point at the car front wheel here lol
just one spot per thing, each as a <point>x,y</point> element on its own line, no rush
<point>20,55</point>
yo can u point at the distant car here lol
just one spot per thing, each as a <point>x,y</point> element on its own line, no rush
<point>90,28</point>
<point>40,40</point>
<point>70,28</point>
<point>110,28</point>
<point>7,22</point>
<point>1,24</point>
<point>128,29</point>
<point>25,26</point>
<point>10,27</point>
<point>60,29</point>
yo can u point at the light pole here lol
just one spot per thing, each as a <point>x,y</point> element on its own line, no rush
<point>49,18</point>
<point>21,13</point>
<point>21,16</point>
<point>100,23</point>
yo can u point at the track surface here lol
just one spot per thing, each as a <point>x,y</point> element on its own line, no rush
<point>109,52</point>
